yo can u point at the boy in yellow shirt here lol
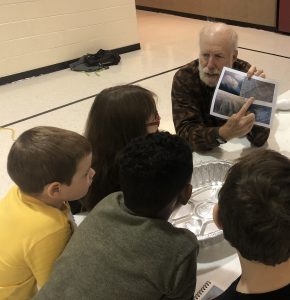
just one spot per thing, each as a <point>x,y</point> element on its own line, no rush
<point>49,167</point>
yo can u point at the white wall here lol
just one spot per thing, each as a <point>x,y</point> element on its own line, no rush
<point>38,33</point>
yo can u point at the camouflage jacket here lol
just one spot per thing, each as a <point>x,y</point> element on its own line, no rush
<point>191,101</point>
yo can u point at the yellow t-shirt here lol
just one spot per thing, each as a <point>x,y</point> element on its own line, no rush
<point>32,236</point>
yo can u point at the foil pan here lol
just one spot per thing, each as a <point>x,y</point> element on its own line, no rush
<point>196,215</point>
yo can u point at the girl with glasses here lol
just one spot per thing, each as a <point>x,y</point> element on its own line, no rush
<point>117,115</point>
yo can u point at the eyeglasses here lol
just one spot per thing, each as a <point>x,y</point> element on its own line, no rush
<point>154,123</point>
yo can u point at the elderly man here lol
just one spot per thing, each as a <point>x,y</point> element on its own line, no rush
<point>193,88</point>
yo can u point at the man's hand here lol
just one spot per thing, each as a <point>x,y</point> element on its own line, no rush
<point>254,71</point>
<point>238,124</point>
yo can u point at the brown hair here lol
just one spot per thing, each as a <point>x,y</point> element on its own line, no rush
<point>44,154</point>
<point>254,207</point>
<point>117,115</point>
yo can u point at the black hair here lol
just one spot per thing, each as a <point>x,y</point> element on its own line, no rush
<point>153,171</point>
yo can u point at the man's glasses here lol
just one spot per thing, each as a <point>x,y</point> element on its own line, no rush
<point>154,123</point>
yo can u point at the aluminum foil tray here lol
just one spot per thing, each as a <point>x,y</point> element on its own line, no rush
<point>196,215</point>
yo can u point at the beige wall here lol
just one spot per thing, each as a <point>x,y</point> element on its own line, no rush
<point>38,33</point>
<point>261,12</point>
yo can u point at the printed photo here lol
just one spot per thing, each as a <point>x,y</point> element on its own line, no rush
<point>262,113</point>
<point>260,90</point>
<point>227,104</point>
<point>234,88</point>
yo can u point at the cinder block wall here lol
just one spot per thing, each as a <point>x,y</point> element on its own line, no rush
<point>39,33</point>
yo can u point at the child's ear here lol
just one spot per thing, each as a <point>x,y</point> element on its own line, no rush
<point>53,189</point>
<point>215,214</point>
<point>185,194</point>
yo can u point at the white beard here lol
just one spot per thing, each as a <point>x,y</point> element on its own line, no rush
<point>210,81</point>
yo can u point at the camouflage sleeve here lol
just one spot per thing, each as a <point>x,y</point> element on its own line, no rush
<point>258,136</point>
<point>187,115</point>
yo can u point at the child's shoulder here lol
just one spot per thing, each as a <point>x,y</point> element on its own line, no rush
<point>178,243</point>
<point>25,224</point>
<point>185,236</point>
<point>175,239</point>
<point>32,213</point>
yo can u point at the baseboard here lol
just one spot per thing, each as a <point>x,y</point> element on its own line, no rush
<point>57,67</point>
<point>205,18</point>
